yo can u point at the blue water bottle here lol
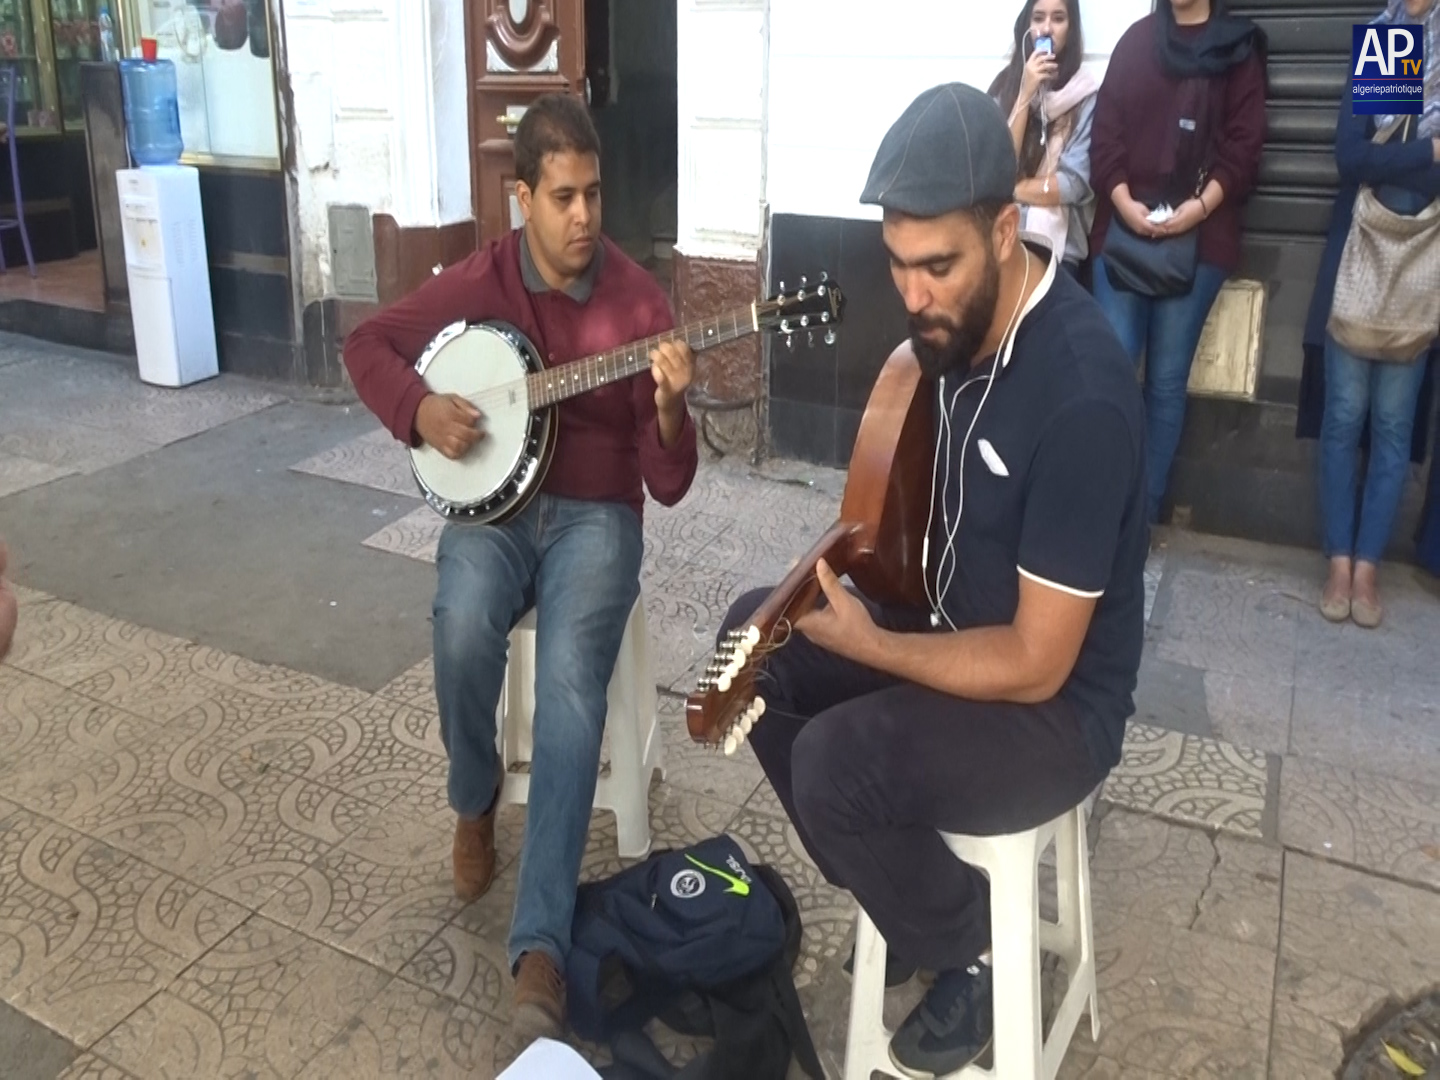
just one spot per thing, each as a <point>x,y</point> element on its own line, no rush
<point>152,111</point>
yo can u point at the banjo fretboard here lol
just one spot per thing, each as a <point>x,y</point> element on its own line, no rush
<point>556,384</point>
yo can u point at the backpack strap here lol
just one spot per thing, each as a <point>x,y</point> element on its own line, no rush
<point>793,1017</point>
<point>637,1058</point>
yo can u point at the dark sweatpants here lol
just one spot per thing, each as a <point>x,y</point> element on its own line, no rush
<point>871,769</point>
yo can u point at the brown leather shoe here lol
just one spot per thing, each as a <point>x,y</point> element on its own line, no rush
<point>474,855</point>
<point>539,998</point>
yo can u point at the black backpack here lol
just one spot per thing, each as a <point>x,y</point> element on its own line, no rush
<point>706,942</point>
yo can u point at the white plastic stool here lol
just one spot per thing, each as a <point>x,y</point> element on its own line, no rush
<point>633,727</point>
<point>1017,934</point>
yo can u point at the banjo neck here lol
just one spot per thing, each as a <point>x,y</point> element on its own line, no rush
<point>554,385</point>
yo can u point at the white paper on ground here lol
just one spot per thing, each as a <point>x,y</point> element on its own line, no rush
<point>545,1059</point>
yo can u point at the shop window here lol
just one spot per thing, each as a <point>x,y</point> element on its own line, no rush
<point>225,74</point>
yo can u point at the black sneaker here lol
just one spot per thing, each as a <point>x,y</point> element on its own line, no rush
<point>950,1028</point>
<point>897,972</point>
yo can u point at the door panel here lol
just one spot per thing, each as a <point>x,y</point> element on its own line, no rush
<point>516,50</point>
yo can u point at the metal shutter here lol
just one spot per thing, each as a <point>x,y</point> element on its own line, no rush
<point>1289,212</point>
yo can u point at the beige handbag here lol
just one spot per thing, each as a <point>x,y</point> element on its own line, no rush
<point>1387,291</point>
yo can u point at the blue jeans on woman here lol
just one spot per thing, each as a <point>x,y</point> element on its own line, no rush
<point>1165,332</point>
<point>578,565</point>
<point>1385,392</point>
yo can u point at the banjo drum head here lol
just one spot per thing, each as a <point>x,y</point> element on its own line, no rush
<point>487,365</point>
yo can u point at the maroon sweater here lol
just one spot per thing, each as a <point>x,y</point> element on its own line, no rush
<point>608,437</point>
<point>1134,114</point>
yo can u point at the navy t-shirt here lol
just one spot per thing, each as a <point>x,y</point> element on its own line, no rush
<point>1054,489</point>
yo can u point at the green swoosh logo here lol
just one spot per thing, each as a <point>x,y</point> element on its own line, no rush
<point>738,887</point>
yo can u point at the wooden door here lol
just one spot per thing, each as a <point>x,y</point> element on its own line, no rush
<point>516,50</point>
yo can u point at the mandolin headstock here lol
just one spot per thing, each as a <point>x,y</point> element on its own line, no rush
<point>725,706</point>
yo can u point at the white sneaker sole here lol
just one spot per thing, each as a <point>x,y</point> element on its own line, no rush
<point>914,1074</point>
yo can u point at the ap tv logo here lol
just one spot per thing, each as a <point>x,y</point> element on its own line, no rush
<point>1387,70</point>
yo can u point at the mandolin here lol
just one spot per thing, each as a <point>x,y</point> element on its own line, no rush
<point>877,540</point>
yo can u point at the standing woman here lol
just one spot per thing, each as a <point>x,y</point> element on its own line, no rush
<point>1050,102</point>
<point>1341,388</point>
<point>1180,121</point>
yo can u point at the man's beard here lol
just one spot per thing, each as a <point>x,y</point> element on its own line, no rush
<point>965,336</point>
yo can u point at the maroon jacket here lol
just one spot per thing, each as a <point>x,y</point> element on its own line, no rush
<point>608,437</point>
<point>1133,115</point>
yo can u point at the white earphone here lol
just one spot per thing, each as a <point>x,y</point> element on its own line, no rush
<point>1007,339</point>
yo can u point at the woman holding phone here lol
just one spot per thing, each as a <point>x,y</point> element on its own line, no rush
<point>1049,100</point>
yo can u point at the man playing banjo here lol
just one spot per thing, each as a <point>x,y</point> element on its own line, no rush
<point>574,551</point>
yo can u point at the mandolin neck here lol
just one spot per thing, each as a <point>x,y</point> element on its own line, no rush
<point>799,591</point>
<point>566,381</point>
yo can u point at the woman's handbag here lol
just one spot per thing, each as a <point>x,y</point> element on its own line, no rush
<point>1155,268</point>
<point>1387,290</point>
<point>1158,268</point>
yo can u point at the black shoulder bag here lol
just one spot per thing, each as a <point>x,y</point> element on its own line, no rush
<point>1165,266</point>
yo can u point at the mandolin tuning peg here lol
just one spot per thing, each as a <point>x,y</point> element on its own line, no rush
<point>810,338</point>
<point>782,286</point>
<point>803,281</point>
<point>790,342</point>
<point>829,337</point>
<point>824,275</point>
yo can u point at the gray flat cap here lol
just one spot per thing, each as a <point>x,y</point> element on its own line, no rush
<point>948,151</point>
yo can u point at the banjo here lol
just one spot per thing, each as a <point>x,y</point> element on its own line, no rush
<point>495,367</point>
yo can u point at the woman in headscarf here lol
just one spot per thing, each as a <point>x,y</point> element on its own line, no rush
<point>1180,122</point>
<point>1344,397</point>
<point>1050,102</point>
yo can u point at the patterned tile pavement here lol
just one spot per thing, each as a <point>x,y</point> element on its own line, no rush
<point>214,867</point>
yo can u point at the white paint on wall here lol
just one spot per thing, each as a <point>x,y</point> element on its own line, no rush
<point>381,116</point>
<point>721,115</point>
<point>838,78</point>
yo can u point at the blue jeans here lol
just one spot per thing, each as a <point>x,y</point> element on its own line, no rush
<point>1165,333</point>
<point>578,564</point>
<point>1386,393</point>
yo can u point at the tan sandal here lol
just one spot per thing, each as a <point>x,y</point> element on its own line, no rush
<point>1366,614</point>
<point>1335,609</point>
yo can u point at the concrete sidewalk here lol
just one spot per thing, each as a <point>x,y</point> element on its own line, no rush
<point>223,835</point>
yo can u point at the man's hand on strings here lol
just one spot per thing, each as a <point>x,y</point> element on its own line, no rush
<point>843,625</point>
<point>672,365</point>
<point>449,423</point>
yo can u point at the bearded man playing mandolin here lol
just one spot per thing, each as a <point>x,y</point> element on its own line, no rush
<point>1004,703</point>
<point>573,553</point>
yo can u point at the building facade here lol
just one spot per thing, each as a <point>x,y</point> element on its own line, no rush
<point>348,147</point>
<point>783,103</point>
